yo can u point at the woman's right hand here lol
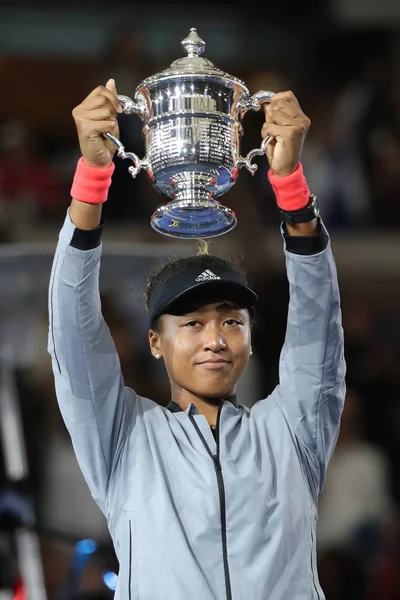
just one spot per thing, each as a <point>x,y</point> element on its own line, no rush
<point>94,117</point>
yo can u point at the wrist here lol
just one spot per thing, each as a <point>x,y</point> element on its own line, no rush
<point>284,173</point>
<point>91,183</point>
<point>291,191</point>
<point>85,216</point>
<point>95,165</point>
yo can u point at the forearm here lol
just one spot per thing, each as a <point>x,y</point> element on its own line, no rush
<point>85,216</point>
<point>79,338</point>
<point>313,349</point>
<point>314,316</point>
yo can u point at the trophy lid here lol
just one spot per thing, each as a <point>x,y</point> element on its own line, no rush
<point>193,63</point>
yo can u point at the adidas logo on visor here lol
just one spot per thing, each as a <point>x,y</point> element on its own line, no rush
<point>207,275</point>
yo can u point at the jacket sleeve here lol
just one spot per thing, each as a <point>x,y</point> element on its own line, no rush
<point>311,388</point>
<point>96,407</point>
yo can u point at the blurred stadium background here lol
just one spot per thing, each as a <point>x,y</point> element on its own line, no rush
<point>342,60</point>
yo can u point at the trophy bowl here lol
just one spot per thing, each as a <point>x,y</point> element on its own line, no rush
<point>192,115</point>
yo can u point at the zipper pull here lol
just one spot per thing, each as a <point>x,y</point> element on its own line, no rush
<point>217,463</point>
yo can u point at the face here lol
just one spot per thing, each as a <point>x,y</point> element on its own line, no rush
<point>205,350</point>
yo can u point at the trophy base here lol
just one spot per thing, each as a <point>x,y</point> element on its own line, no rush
<point>193,219</point>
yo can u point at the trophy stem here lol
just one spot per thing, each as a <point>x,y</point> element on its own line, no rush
<point>192,186</point>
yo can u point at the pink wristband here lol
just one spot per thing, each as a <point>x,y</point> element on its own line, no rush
<point>291,191</point>
<point>91,184</point>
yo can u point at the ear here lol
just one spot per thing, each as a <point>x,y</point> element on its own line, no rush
<point>155,343</point>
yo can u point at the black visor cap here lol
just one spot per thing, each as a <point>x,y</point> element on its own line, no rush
<point>193,287</point>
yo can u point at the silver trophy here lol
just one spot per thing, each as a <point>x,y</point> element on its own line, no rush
<point>192,116</point>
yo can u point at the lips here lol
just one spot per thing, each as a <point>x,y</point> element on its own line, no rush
<point>213,364</point>
<point>213,361</point>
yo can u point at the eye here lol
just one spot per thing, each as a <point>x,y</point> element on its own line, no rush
<point>232,322</point>
<point>191,324</point>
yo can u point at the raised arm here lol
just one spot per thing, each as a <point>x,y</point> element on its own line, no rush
<point>312,367</point>
<point>96,407</point>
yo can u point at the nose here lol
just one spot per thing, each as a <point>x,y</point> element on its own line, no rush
<point>214,340</point>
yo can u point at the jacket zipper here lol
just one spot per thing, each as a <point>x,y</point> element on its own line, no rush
<point>222,499</point>
<point>130,562</point>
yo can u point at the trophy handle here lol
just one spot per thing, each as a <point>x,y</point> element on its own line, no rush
<point>129,107</point>
<point>255,102</point>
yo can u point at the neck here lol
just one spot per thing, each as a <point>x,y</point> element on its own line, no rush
<point>206,406</point>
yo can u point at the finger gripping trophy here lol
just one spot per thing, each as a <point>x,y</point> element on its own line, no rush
<point>192,115</point>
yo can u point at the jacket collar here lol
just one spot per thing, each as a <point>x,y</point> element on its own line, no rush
<point>174,407</point>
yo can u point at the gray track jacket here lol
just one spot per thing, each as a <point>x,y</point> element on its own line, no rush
<point>194,517</point>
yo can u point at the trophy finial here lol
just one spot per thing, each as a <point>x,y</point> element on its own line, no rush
<point>193,43</point>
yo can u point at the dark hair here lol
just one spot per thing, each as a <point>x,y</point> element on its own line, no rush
<point>202,259</point>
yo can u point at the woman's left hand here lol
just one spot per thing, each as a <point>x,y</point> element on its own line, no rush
<point>288,126</point>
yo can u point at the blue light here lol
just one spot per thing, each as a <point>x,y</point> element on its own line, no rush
<point>110,579</point>
<point>86,547</point>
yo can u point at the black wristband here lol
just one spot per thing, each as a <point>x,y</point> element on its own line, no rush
<point>306,245</point>
<point>303,215</point>
<point>87,239</point>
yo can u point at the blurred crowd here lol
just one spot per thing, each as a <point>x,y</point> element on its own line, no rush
<point>352,162</point>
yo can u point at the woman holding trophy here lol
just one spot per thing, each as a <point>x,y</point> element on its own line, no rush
<point>204,498</point>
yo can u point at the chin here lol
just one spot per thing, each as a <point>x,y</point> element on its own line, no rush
<point>214,392</point>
